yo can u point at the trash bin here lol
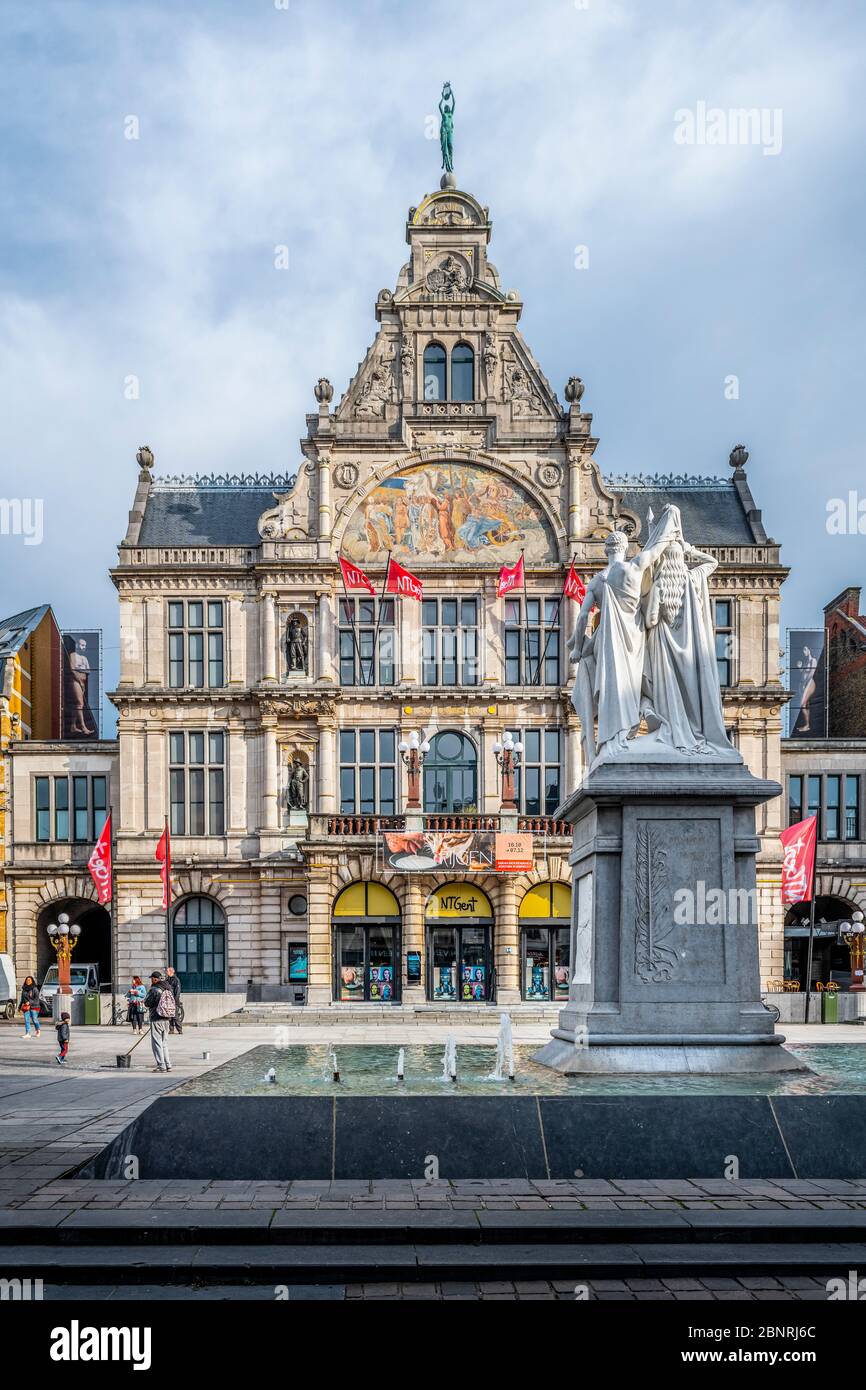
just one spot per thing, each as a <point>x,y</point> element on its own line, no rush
<point>830,1006</point>
<point>92,1010</point>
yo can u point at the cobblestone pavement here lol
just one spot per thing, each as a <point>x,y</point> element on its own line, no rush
<point>710,1290</point>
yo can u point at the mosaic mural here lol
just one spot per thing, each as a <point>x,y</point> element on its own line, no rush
<point>448,511</point>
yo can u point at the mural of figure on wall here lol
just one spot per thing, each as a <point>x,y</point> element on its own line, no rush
<point>453,511</point>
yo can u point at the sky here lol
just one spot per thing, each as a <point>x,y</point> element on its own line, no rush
<point>709,289</point>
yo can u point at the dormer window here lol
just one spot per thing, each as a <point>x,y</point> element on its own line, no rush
<point>438,385</point>
<point>462,373</point>
<point>435,388</point>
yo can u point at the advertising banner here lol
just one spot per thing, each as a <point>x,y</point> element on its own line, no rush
<point>81,684</point>
<point>807,678</point>
<point>466,851</point>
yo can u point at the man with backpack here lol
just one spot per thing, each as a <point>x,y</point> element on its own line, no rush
<point>175,1025</point>
<point>159,1003</point>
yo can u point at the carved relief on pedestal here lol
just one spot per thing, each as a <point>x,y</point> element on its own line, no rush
<point>654,962</point>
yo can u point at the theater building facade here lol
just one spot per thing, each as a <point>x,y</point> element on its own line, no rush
<point>262,706</point>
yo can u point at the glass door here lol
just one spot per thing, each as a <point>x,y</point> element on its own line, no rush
<point>474,965</point>
<point>561,939</point>
<point>368,963</point>
<point>536,963</point>
<point>442,955</point>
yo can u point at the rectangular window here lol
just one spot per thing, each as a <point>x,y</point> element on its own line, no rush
<point>61,808</point>
<point>196,643</point>
<point>537,783</point>
<point>359,663</point>
<point>813,803</point>
<point>43,808</point>
<point>197,782</point>
<point>70,808</point>
<point>832,808</point>
<point>532,655</point>
<point>368,772</point>
<point>852,808</point>
<point>795,799</point>
<point>450,641</point>
<point>723,617</point>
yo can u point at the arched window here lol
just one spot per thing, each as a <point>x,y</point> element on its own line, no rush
<point>434,372</point>
<point>200,946</point>
<point>462,373</point>
<point>451,774</point>
<point>545,941</point>
<point>367,949</point>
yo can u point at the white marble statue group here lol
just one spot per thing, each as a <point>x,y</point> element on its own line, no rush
<point>650,661</point>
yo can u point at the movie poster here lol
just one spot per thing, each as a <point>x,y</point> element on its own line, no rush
<point>807,680</point>
<point>81,684</point>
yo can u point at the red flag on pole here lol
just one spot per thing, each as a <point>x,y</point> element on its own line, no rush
<point>798,862</point>
<point>400,581</point>
<point>163,855</point>
<point>99,863</point>
<point>353,578</point>
<point>510,577</point>
<point>574,586</point>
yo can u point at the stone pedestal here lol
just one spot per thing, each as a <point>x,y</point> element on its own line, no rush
<point>664,945</point>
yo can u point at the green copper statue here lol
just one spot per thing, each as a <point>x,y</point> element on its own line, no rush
<point>446,127</point>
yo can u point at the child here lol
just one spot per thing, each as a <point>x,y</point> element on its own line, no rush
<point>62,1039</point>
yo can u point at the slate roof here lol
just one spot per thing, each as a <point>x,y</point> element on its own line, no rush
<point>712,510</point>
<point>214,512</point>
<point>221,514</point>
<point>14,632</point>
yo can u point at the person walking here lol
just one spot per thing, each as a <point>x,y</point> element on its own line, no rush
<point>175,1025</point>
<point>135,996</point>
<point>62,1039</point>
<point>159,1002</point>
<point>29,1005</point>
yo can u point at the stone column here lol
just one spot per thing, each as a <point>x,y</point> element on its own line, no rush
<point>319,900</point>
<point>413,936</point>
<point>507,945</point>
<point>270,810</point>
<point>574,528</point>
<point>327,640</point>
<point>236,777</point>
<point>269,638</point>
<point>327,767</point>
<point>324,479</point>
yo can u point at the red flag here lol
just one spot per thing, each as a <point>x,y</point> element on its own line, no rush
<point>510,577</point>
<point>400,581</point>
<point>163,855</point>
<point>574,586</point>
<point>353,578</point>
<point>99,863</point>
<point>798,862</point>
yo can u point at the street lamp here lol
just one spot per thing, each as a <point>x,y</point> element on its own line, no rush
<point>855,940</point>
<point>413,753</point>
<point>64,939</point>
<point>508,757</point>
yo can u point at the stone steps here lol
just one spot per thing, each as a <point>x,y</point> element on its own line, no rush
<point>285,1015</point>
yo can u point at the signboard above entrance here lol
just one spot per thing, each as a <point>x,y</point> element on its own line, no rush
<point>458,900</point>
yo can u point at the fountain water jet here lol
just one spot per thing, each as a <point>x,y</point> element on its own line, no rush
<point>449,1059</point>
<point>401,1063</point>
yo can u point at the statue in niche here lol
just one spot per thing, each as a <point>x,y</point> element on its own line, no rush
<point>407,367</point>
<point>297,644</point>
<point>298,792</point>
<point>490,361</point>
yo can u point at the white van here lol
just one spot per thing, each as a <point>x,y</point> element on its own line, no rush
<point>8,988</point>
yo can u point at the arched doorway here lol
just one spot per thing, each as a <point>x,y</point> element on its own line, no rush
<point>831,958</point>
<point>199,945</point>
<point>451,774</point>
<point>545,937</point>
<point>367,945</point>
<point>94,944</point>
<point>459,921</point>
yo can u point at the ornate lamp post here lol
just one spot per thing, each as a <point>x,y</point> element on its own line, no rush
<point>855,940</point>
<point>508,756</point>
<point>63,938</point>
<point>413,753</point>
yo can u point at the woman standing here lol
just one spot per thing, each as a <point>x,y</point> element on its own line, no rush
<point>135,999</point>
<point>29,1005</point>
